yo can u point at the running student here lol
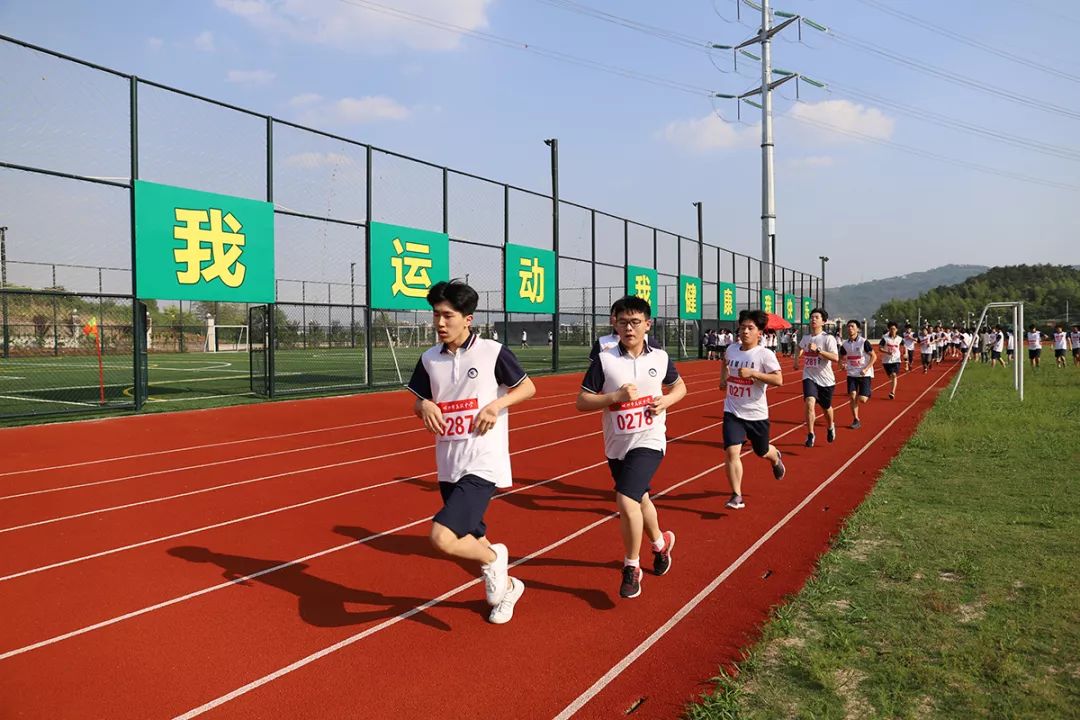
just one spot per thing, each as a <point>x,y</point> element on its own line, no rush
<point>997,338</point>
<point>524,338</point>
<point>1060,339</point>
<point>818,352</point>
<point>1074,340</point>
<point>463,387</point>
<point>626,382</point>
<point>926,348</point>
<point>891,351</point>
<point>859,358</point>
<point>745,373</point>
<point>909,347</point>
<point>1034,341</point>
<point>606,342</point>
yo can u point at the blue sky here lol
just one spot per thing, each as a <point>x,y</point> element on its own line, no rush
<point>636,149</point>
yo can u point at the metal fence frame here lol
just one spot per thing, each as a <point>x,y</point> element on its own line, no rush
<point>728,267</point>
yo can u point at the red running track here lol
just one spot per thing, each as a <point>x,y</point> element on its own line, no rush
<point>272,560</point>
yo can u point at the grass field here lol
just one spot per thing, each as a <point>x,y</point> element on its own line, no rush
<point>46,384</point>
<point>951,592</point>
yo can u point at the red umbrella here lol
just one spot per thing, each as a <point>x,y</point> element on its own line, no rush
<point>776,322</point>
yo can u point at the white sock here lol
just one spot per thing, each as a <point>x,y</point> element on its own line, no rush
<point>658,546</point>
<point>632,563</point>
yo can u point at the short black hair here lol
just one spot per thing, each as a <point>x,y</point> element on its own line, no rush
<point>618,306</point>
<point>459,295</point>
<point>856,323</point>
<point>758,317</point>
<point>820,311</point>
<point>892,323</point>
<point>633,304</point>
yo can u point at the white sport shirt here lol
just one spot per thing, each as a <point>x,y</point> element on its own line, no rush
<point>746,397</point>
<point>461,383</point>
<point>891,347</point>
<point>815,367</point>
<point>856,355</point>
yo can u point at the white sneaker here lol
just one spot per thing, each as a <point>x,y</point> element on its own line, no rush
<point>502,612</point>
<point>495,575</point>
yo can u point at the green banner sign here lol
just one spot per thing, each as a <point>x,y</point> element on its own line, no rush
<point>727,306</point>
<point>807,306</point>
<point>530,280</point>
<point>641,281</point>
<point>405,263</point>
<point>768,301</point>
<point>791,308</point>
<point>194,245</point>
<point>689,297</point>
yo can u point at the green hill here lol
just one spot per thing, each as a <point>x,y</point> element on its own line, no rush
<point>1047,291</point>
<point>860,300</point>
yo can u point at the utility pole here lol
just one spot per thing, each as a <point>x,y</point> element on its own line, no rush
<point>824,259</point>
<point>553,143</point>
<point>3,286</point>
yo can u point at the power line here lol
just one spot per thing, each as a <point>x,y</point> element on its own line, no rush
<point>519,45</point>
<point>970,41</point>
<point>671,36</point>
<point>921,152</point>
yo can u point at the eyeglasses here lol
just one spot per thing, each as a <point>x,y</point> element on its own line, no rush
<point>633,322</point>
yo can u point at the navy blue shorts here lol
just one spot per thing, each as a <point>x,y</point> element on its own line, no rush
<point>821,393</point>
<point>891,368</point>
<point>995,354</point>
<point>737,431</point>
<point>464,505</point>
<point>634,473</point>
<point>859,385</point>
<point>1032,354</point>
<point>926,358</point>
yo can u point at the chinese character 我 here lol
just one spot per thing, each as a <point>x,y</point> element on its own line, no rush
<point>220,247</point>
<point>532,280</point>
<point>411,272</point>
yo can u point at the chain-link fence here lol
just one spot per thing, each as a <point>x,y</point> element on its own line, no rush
<point>79,135</point>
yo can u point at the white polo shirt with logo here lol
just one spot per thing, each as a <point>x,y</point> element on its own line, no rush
<point>815,367</point>
<point>891,346</point>
<point>1034,340</point>
<point>606,342</point>
<point>746,397</point>
<point>462,383</point>
<point>631,425</point>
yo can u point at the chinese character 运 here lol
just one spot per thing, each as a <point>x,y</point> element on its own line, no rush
<point>411,272</point>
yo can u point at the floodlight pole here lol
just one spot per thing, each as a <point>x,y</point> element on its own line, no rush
<point>3,287</point>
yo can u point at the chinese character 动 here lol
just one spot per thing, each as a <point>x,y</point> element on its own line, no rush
<point>532,280</point>
<point>223,253</point>
<point>411,273</point>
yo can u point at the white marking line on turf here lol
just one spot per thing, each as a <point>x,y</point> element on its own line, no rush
<point>217,702</point>
<point>260,438</point>
<point>46,400</point>
<point>11,377</point>
<point>305,503</point>
<point>686,609</point>
<point>245,458</point>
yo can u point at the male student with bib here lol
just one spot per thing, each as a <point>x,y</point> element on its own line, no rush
<point>818,351</point>
<point>626,381</point>
<point>892,348</point>
<point>746,371</point>
<point>859,358</point>
<point>463,387</point>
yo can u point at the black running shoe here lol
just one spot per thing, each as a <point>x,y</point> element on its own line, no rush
<point>631,582</point>
<point>831,435</point>
<point>778,469</point>
<point>810,440</point>
<point>856,425</point>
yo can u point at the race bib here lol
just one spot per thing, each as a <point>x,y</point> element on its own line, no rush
<point>739,387</point>
<point>810,361</point>
<point>632,417</point>
<point>460,419</point>
<point>854,363</point>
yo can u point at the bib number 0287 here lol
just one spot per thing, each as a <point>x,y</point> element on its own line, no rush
<point>459,417</point>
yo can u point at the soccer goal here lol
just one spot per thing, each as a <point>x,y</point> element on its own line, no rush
<point>229,338</point>
<point>414,335</point>
<point>1018,334</point>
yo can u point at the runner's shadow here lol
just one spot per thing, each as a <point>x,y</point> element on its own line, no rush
<point>321,602</point>
<point>676,503</point>
<point>414,545</point>
<point>564,493</point>
<point>430,485</point>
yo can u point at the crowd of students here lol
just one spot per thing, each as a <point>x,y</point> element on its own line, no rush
<point>465,385</point>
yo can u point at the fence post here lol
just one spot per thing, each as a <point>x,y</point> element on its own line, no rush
<point>369,367</point>
<point>55,315</point>
<point>3,289</point>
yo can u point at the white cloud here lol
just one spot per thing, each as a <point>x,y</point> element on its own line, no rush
<point>305,100</point>
<point>349,111</point>
<point>811,161</point>
<point>250,77</point>
<point>846,116</point>
<point>318,159</point>
<point>205,41</point>
<point>359,29</point>
<point>155,43</point>
<point>709,133</point>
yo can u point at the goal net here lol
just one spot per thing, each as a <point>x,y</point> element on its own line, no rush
<point>229,338</point>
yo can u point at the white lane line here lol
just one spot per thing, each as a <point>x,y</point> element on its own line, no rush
<point>47,400</point>
<point>227,461</point>
<point>217,702</point>
<point>327,551</point>
<point>686,609</point>
<point>261,438</point>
